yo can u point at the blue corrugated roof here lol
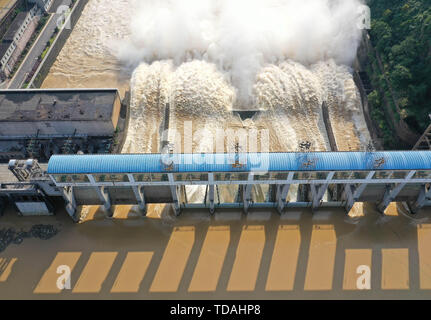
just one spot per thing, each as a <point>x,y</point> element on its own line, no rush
<point>314,161</point>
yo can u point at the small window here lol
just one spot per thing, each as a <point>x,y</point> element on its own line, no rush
<point>63,179</point>
<point>350,175</point>
<point>261,177</point>
<point>151,177</point>
<point>239,176</point>
<point>111,178</point>
<point>322,175</point>
<point>82,178</point>
<point>234,176</point>
<point>305,175</point>
<point>343,175</point>
<point>422,175</point>
<point>202,177</point>
<point>179,177</point>
<point>142,177</point>
<point>222,176</point>
<point>399,174</point>
<point>271,176</point>
<point>382,175</point>
<point>100,177</point>
<point>279,175</point>
<point>191,177</point>
<point>157,177</point>
<point>360,175</point>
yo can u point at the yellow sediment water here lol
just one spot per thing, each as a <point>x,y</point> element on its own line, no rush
<point>321,258</point>
<point>156,211</point>
<point>6,3</point>
<point>424,241</point>
<point>95,272</point>
<point>357,210</point>
<point>4,6</point>
<point>174,260</point>
<point>132,272</point>
<point>211,259</point>
<point>48,282</point>
<point>355,258</point>
<point>392,210</point>
<point>89,213</point>
<point>6,266</point>
<point>247,259</point>
<point>284,261</point>
<point>85,60</point>
<point>230,255</point>
<point>395,269</point>
<point>122,212</point>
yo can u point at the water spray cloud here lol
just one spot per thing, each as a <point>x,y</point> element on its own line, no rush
<point>242,36</point>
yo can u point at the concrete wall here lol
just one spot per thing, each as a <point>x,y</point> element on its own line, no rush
<point>57,45</point>
<point>87,196</point>
<point>158,194</point>
<point>116,111</point>
<point>123,195</point>
<point>328,126</point>
<point>56,128</point>
<point>21,44</point>
<point>360,64</point>
<point>366,109</point>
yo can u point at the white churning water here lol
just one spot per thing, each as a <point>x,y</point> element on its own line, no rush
<point>206,58</point>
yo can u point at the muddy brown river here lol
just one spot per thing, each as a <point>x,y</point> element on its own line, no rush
<point>230,255</point>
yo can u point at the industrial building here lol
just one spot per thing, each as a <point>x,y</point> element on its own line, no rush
<point>44,5</point>
<point>16,38</point>
<point>39,123</point>
<point>17,31</point>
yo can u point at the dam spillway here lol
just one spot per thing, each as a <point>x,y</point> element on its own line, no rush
<point>288,88</point>
<point>290,85</point>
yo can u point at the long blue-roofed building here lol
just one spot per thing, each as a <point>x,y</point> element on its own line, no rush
<point>310,179</point>
<point>313,161</point>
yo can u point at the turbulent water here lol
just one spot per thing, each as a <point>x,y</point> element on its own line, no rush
<point>201,92</point>
<point>289,96</point>
<point>289,92</point>
<point>87,60</point>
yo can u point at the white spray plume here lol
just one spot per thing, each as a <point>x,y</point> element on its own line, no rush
<point>242,36</point>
